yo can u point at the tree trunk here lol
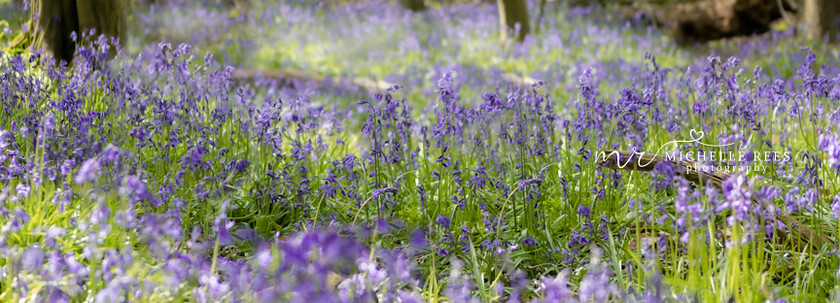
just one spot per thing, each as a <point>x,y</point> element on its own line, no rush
<point>414,5</point>
<point>540,14</point>
<point>106,17</point>
<point>58,19</point>
<point>706,20</point>
<point>511,13</point>
<point>823,18</point>
<point>53,21</point>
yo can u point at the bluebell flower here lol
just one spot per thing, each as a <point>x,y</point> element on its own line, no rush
<point>443,221</point>
<point>88,171</point>
<point>22,190</point>
<point>584,211</point>
<point>135,189</point>
<point>831,146</point>
<point>529,241</point>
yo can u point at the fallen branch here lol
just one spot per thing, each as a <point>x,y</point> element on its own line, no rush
<point>705,20</point>
<point>616,159</point>
<point>287,74</point>
<point>517,80</point>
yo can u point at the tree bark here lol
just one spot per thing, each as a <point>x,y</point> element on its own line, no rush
<point>706,20</point>
<point>55,20</point>
<point>540,14</point>
<point>414,5</point>
<point>105,17</point>
<point>511,13</point>
<point>823,18</point>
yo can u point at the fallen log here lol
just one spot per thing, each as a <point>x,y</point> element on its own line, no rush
<point>705,20</point>
<point>628,160</point>
<point>287,75</point>
<point>515,79</point>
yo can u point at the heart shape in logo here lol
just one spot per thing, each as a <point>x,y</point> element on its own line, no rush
<point>696,135</point>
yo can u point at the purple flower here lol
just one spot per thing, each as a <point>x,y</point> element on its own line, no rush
<point>55,294</point>
<point>354,288</point>
<point>596,286</point>
<point>584,211</point>
<point>738,199</point>
<point>378,192</point>
<point>88,172</point>
<point>458,289</point>
<point>831,146</point>
<point>555,289</point>
<point>577,239</point>
<point>133,188</point>
<point>217,288</point>
<point>223,226</point>
<point>529,242</point>
<point>409,297</point>
<point>524,183</point>
<point>22,190</point>
<point>111,155</point>
<point>418,239</point>
<point>796,202</point>
<point>664,173</point>
<point>32,258</point>
<point>52,234</point>
<point>373,273</point>
<point>443,221</point>
<point>19,219</point>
